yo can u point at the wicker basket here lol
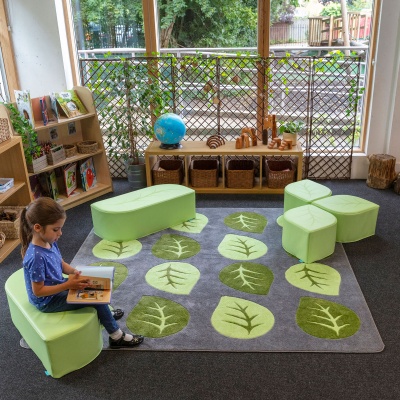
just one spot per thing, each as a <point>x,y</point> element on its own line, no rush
<point>70,150</point>
<point>4,130</point>
<point>168,171</point>
<point>204,173</point>
<point>10,228</point>
<point>279,173</point>
<point>87,147</point>
<point>240,174</point>
<point>2,239</point>
<point>56,155</point>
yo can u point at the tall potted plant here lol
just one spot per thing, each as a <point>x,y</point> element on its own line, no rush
<point>138,100</point>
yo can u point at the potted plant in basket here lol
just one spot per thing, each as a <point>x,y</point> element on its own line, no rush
<point>33,151</point>
<point>138,99</point>
<point>290,129</point>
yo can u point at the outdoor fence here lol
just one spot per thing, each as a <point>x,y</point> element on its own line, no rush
<point>221,95</point>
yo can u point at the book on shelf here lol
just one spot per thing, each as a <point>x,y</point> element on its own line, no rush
<point>70,103</point>
<point>88,174</point>
<point>53,105</point>
<point>48,183</point>
<point>69,176</point>
<point>99,289</point>
<point>24,105</point>
<point>36,188</point>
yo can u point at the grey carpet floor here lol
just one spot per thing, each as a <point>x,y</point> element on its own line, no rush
<point>205,322</point>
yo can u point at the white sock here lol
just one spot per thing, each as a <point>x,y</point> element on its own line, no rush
<point>118,334</point>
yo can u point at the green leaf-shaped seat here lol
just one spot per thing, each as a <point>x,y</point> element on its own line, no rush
<point>309,233</point>
<point>356,217</point>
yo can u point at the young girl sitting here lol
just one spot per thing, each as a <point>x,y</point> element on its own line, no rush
<point>40,228</point>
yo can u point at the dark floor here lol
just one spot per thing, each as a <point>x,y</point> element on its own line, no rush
<point>201,375</point>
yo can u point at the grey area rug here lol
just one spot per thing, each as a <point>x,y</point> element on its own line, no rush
<point>223,282</point>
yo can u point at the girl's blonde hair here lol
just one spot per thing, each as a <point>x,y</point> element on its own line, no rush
<point>43,211</point>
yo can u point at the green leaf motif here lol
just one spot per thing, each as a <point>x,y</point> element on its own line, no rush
<point>108,250</point>
<point>241,319</point>
<point>246,221</point>
<point>120,274</point>
<point>326,319</point>
<point>314,277</point>
<point>157,317</point>
<point>247,277</point>
<point>238,247</point>
<point>195,225</point>
<point>175,247</point>
<point>173,277</point>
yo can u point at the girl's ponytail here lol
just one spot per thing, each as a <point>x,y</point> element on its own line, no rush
<point>25,232</point>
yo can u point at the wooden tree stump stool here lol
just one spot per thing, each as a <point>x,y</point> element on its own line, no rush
<point>381,171</point>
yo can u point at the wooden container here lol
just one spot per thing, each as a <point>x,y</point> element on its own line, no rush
<point>279,173</point>
<point>204,173</point>
<point>168,171</point>
<point>56,155</point>
<point>240,174</point>
<point>38,164</point>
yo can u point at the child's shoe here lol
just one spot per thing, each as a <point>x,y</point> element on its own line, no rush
<point>121,342</point>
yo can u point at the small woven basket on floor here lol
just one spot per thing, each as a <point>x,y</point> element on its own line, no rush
<point>279,173</point>
<point>204,173</point>
<point>87,147</point>
<point>240,174</point>
<point>10,228</point>
<point>168,171</point>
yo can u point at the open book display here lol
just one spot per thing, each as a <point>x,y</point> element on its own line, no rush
<point>99,289</point>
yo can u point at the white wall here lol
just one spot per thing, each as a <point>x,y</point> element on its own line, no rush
<point>41,54</point>
<point>37,46</point>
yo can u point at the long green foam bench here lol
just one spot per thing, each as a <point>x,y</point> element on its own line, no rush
<point>63,341</point>
<point>142,212</point>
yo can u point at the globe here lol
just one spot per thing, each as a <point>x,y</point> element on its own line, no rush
<point>170,129</point>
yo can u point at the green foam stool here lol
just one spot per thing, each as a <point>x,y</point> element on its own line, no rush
<point>356,217</point>
<point>309,233</point>
<point>143,212</point>
<point>303,192</point>
<point>63,341</point>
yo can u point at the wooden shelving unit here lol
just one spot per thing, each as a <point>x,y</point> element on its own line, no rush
<point>86,127</point>
<point>200,148</point>
<point>12,165</point>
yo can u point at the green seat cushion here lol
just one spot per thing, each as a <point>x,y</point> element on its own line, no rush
<point>303,192</point>
<point>309,233</point>
<point>63,341</point>
<point>356,217</point>
<point>143,212</point>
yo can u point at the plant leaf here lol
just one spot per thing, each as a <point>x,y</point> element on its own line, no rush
<point>173,277</point>
<point>108,250</point>
<point>314,277</point>
<point>247,277</point>
<point>241,319</point>
<point>194,225</point>
<point>326,319</point>
<point>120,274</point>
<point>246,221</point>
<point>175,247</point>
<point>238,247</point>
<point>157,317</point>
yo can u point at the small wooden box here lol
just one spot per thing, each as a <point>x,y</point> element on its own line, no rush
<point>56,155</point>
